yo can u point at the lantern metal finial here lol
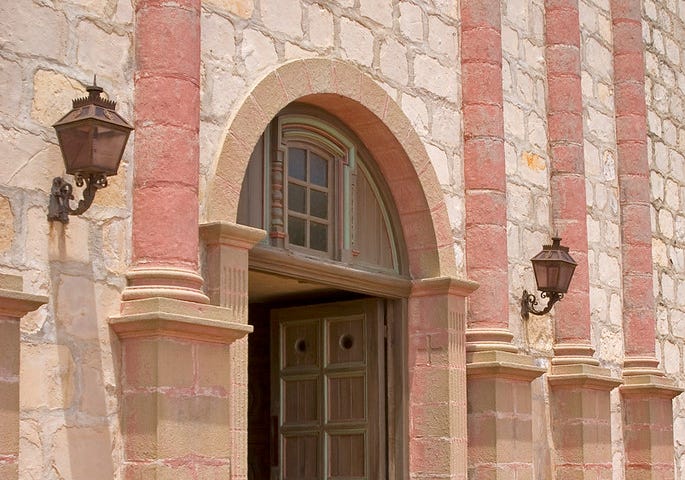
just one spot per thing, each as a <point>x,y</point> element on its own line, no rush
<point>92,138</point>
<point>553,268</point>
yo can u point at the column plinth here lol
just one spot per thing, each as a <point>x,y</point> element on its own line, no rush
<point>581,420</point>
<point>176,383</point>
<point>499,409</point>
<point>14,304</point>
<point>647,406</point>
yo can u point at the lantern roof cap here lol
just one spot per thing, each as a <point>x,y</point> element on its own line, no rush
<point>93,107</point>
<point>554,252</point>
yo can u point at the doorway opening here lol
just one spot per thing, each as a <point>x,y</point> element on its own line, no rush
<point>326,382</point>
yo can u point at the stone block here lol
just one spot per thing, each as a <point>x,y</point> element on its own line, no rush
<point>213,367</point>
<point>394,61</point>
<point>258,51</point>
<point>218,37</point>
<point>9,471</point>
<point>411,21</point>
<point>378,10</point>
<point>9,418</point>
<point>6,224</point>
<point>282,16</point>
<point>52,94</point>
<point>139,425</point>
<point>158,363</point>
<point>443,81</point>
<point>52,370</point>
<point>9,349</point>
<point>69,242</point>
<point>197,425</point>
<point>18,22</point>
<point>321,28</point>
<point>84,453</point>
<point>356,41</point>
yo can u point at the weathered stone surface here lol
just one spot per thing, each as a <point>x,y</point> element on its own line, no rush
<point>52,96</point>
<point>242,8</point>
<point>84,453</point>
<point>53,370</point>
<point>6,224</point>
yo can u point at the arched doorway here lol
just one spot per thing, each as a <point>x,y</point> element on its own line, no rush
<point>323,356</point>
<point>425,301</point>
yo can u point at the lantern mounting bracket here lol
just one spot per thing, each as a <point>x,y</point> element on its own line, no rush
<point>92,138</point>
<point>61,194</point>
<point>529,301</point>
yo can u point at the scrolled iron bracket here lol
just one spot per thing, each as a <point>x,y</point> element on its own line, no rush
<point>529,302</point>
<point>61,194</point>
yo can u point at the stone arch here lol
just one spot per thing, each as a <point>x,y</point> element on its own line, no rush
<point>346,92</point>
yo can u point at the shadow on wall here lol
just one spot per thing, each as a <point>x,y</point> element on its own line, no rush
<point>68,378</point>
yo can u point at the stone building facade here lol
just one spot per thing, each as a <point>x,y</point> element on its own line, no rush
<point>483,129</point>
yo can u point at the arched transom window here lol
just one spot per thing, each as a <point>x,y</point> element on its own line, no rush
<point>315,190</point>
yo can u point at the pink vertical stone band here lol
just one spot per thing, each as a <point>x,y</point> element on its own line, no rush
<point>565,131</point>
<point>167,120</point>
<point>484,167</point>
<point>633,180</point>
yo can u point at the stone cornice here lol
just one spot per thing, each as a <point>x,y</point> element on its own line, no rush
<point>427,287</point>
<point>582,375</point>
<point>166,317</point>
<point>232,234</point>
<point>501,364</point>
<point>650,385</point>
<point>13,301</point>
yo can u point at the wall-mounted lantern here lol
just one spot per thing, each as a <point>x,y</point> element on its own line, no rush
<point>553,268</point>
<point>92,137</point>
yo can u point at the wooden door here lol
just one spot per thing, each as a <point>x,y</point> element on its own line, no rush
<point>328,384</point>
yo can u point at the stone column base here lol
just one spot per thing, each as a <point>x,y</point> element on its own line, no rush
<point>499,412</point>
<point>14,304</point>
<point>581,421</point>
<point>647,402</point>
<point>175,362</point>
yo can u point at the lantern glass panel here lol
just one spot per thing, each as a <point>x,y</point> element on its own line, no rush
<point>565,275</point>
<point>92,148</point>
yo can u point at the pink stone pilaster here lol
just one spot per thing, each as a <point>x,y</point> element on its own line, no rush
<point>166,149</point>
<point>565,134</point>
<point>633,180</point>
<point>226,270</point>
<point>484,174</point>
<point>437,378</point>
<point>14,304</point>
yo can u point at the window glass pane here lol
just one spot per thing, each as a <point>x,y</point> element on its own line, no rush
<point>319,170</point>
<point>296,231</point>
<point>296,198</point>
<point>297,164</point>
<point>318,236</point>
<point>318,204</point>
